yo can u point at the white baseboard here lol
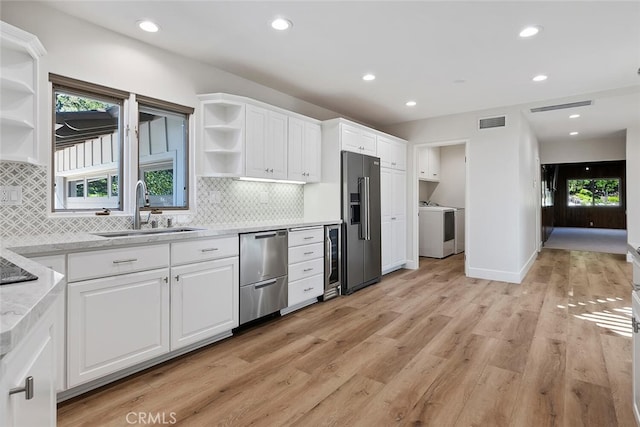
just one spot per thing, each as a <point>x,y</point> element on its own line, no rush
<point>501,275</point>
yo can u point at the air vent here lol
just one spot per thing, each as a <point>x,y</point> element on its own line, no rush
<point>492,122</point>
<point>561,106</point>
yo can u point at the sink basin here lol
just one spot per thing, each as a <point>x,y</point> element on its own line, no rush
<point>152,231</point>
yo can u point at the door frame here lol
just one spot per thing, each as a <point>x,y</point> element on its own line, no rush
<point>413,200</point>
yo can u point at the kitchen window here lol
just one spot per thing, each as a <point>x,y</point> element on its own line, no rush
<point>93,140</point>
<point>597,192</point>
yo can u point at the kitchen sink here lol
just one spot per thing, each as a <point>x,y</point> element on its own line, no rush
<point>152,231</point>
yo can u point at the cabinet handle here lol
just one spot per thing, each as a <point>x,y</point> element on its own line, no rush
<point>271,170</point>
<point>266,170</point>
<point>177,278</point>
<point>308,238</point>
<point>120,261</point>
<point>308,253</point>
<point>307,269</point>
<point>27,389</point>
<point>166,280</point>
<point>209,249</point>
<point>422,171</point>
<point>308,289</point>
<point>393,218</point>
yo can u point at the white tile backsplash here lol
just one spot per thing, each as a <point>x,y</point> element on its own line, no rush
<point>235,202</point>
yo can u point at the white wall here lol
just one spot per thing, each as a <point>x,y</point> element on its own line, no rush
<point>530,203</point>
<point>450,191</point>
<point>633,185</point>
<point>583,150</point>
<point>500,213</point>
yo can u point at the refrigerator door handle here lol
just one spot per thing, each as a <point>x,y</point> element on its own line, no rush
<point>366,217</point>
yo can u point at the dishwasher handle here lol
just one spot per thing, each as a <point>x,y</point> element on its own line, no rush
<point>264,284</point>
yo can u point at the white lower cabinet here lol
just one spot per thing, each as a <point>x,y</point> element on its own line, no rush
<point>306,267</point>
<point>58,263</point>
<point>204,300</point>
<point>34,357</point>
<point>116,322</point>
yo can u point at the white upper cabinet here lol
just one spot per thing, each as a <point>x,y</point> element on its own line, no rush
<point>266,143</point>
<point>243,137</point>
<point>392,153</point>
<point>358,140</point>
<point>429,164</point>
<point>19,94</point>
<point>222,135</point>
<point>304,150</point>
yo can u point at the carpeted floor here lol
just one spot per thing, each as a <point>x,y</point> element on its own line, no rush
<point>588,239</point>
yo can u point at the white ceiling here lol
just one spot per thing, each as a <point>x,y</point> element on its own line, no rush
<point>418,50</point>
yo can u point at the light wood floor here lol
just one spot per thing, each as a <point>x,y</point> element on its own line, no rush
<point>426,347</point>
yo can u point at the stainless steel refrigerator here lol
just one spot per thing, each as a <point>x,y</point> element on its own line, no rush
<point>361,221</point>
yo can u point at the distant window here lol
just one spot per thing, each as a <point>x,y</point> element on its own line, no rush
<point>593,192</point>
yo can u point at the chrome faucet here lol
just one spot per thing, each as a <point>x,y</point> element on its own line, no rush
<point>136,215</point>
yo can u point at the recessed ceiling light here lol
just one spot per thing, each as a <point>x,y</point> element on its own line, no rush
<point>574,133</point>
<point>148,26</point>
<point>411,103</point>
<point>540,78</point>
<point>530,31</point>
<point>281,24</point>
<point>574,116</point>
<point>368,77</point>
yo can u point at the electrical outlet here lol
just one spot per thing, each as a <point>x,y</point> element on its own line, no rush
<point>214,197</point>
<point>11,195</point>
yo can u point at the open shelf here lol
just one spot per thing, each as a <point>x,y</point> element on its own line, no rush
<point>16,122</point>
<point>223,163</point>
<point>9,84</point>
<point>223,113</point>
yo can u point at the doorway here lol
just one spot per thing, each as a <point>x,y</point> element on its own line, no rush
<point>449,189</point>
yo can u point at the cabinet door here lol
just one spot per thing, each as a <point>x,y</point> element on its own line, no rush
<point>276,154</point>
<point>35,357</point>
<point>116,322</point>
<point>423,163</point>
<point>312,152</point>
<point>399,233</point>
<point>350,138</point>
<point>256,142</point>
<point>434,164</point>
<point>400,149</point>
<point>385,152</point>
<point>204,300</point>
<point>296,150</point>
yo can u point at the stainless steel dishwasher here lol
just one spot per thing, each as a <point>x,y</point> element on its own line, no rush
<point>263,274</point>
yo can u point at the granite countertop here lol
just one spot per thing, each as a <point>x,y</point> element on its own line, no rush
<point>22,304</point>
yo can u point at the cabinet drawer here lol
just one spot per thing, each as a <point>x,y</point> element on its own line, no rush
<point>302,290</point>
<point>204,250</point>
<point>305,252</point>
<point>305,237</point>
<point>305,269</point>
<point>110,262</point>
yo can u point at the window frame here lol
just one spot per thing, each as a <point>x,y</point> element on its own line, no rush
<point>176,109</point>
<point>102,93</point>
<point>591,184</point>
<point>129,166</point>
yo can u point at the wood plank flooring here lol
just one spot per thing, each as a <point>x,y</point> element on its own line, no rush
<point>423,348</point>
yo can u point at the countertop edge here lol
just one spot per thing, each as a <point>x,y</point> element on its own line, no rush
<point>23,304</point>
